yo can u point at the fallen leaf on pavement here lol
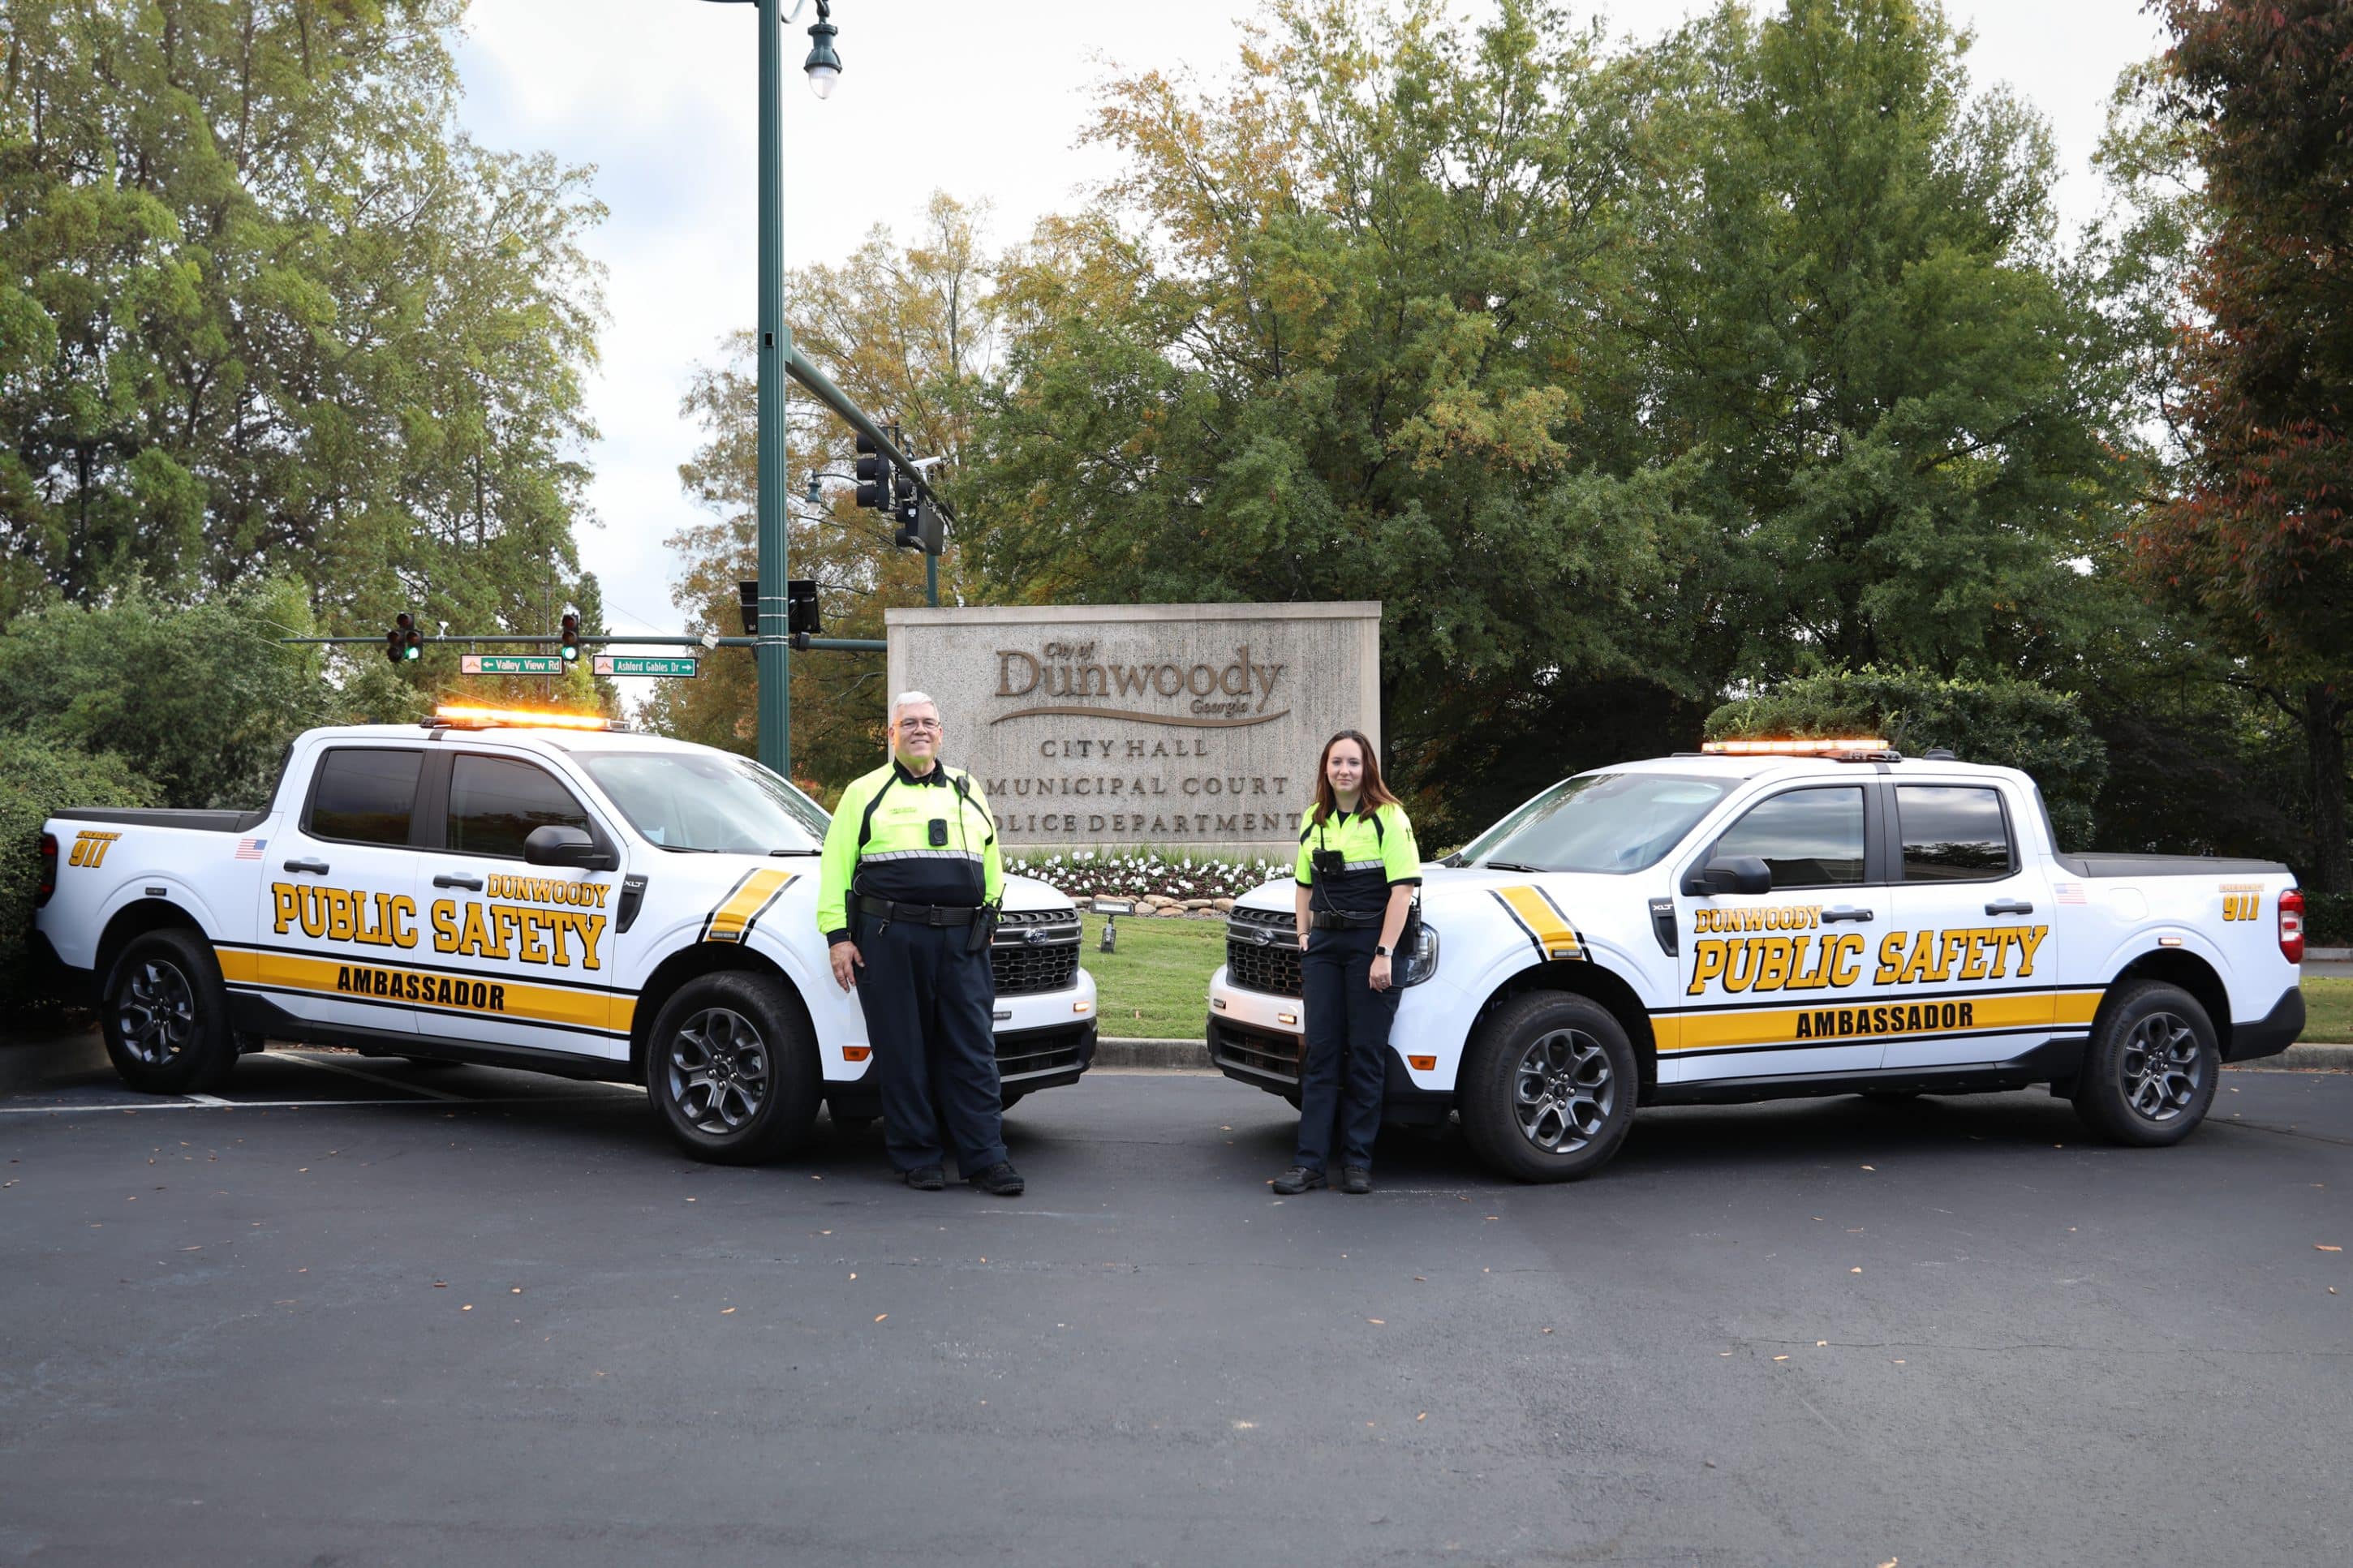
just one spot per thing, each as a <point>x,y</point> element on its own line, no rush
<point>2324,1247</point>
<point>880,1316</point>
<point>724,1310</point>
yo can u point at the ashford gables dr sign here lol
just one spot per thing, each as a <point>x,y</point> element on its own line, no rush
<point>1177,726</point>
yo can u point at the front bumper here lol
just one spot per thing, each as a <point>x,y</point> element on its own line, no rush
<point>1258,1039</point>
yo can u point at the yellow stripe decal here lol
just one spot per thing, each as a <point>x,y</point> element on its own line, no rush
<point>736,913</point>
<point>1546,924</point>
<point>487,996</point>
<point>1873,1018</point>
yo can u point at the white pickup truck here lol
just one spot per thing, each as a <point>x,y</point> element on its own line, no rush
<point>522,889</point>
<point>1771,919</point>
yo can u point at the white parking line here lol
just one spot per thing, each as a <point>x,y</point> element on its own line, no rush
<point>308,1060</point>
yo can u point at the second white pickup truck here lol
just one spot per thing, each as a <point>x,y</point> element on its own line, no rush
<point>523,889</point>
<point>1771,919</point>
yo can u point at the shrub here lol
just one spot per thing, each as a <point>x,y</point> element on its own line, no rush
<point>2327,920</point>
<point>38,777</point>
<point>2009,723</point>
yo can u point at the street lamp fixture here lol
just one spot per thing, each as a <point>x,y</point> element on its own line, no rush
<point>823,66</point>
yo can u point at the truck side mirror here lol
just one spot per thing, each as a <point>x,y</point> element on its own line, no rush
<point>555,844</point>
<point>1729,874</point>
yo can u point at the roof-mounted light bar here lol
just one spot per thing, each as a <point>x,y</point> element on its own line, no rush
<point>465,716</point>
<point>1857,747</point>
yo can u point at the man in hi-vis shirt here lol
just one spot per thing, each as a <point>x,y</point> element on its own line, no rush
<point>907,897</point>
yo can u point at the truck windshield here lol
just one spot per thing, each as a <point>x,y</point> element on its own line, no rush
<point>707,801</point>
<point>1600,822</point>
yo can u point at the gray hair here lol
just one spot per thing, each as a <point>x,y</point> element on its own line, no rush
<point>909,699</point>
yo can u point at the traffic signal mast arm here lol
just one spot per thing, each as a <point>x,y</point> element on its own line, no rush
<point>832,396</point>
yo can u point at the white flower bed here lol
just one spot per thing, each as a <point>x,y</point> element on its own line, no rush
<point>1146,873</point>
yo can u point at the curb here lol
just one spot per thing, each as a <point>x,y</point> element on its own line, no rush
<point>1112,1051</point>
<point>2302,1059</point>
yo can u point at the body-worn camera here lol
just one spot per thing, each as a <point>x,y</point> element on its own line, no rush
<point>939,832</point>
<point>1325,863</point>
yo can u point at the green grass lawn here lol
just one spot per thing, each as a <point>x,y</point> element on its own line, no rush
<point>1157,986</point>
<point>2327,1006</point>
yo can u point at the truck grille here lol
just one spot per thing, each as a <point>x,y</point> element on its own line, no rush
<point>1063,1047</point>
<point>1263,1054</point>
<point>1036,949</point>
<point>1271,964</point>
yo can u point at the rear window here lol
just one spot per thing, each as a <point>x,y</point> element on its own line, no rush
<point>364,795</point>
<point>1952,832</point>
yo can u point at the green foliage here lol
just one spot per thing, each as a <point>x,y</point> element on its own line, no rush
<point>205,697</point>
<point>2008,723</point>
<point>2327,920</point>
<point>37,776</point>
<point>264,309</point>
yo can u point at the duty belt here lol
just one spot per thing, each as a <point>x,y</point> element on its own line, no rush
<point>1341,920</point>
<point>918,914</point>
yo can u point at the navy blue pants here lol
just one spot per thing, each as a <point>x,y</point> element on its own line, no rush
<point>927,1003</point>
<point>1348,1067</point>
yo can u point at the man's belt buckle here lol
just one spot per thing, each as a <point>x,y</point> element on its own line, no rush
<point>936,915</point>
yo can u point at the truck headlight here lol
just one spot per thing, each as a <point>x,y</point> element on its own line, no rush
<point>1420,960</point>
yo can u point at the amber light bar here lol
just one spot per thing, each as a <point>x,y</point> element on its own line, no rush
<point>460,716</point>
<point>1792,748</point>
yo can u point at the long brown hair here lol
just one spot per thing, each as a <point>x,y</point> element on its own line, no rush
<point>1370,794</point>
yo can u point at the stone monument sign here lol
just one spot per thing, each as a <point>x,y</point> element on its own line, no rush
<point>1118,726</point>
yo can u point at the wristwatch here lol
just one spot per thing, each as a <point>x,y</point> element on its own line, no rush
<point>1380,952</point>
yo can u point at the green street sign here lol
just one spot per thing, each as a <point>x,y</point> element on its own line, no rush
<point>685,667</point>
<point>510,664</point>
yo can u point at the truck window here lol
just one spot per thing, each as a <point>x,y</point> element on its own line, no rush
<point>1952,832</point>
<point>1807,837</point>
<point>494,803</point>
<point>364,795</point>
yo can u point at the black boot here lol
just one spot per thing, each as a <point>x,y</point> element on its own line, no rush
<point>1298,1179</point>
<point>1000,1180</point>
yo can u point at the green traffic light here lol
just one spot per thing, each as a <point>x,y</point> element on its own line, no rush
<point>571,654</point>
<point>410,652</point>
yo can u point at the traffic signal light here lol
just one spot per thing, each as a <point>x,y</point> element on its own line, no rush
<point>570,646</point>
<point>918,524</point>
<point>747,595</point>
<point>800,607</point>
<point>876,479</point>
<point>404,643</point>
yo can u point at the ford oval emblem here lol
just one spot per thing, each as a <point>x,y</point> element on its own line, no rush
<point>1259,936</point>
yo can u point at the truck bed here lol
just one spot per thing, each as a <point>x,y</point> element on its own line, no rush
<point>192,820</point>
<point>2096,865</point>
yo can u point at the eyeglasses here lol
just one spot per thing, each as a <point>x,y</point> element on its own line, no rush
<point>918,724</point>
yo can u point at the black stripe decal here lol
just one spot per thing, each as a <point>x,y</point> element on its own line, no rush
<point>1567,924</point>
<point>753,917</point>
<point>258,988</point>
<point>1505,905</point>
<point>1902,1035</point>
<point>704,934</point>
<point>497,976</point>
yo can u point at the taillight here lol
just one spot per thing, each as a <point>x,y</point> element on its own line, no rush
<point>48,870</point>
<point>2290,924</point>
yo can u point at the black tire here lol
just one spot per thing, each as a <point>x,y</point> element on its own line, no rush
<point>163,1014</point>
<point>2150,1069</point>
<point>1549,1088</point>
<point>731,1067</point>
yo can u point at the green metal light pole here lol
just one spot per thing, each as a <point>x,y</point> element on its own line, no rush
<point>771,652</point>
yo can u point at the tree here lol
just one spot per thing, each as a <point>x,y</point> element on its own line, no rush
<point>203,699</point>
<point>907,333</point>
<point>2259,537</point>
<point>264,309</point>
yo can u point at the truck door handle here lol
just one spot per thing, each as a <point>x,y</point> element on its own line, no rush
<point>2010,907</point>
<point>1846,913</point>
<point>317,866</point>
<point>471,884</point>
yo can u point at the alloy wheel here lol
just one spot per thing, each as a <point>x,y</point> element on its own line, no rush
<point>719,1071</point>
<point>1563,1091</point>
<point>156,1015</point>
<point>2160,1067</point>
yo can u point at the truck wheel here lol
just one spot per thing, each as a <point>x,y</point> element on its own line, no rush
<point>732,1070</point>
<point>164,1014</point>
<point>1548,1088</point>
<point>2150,1071</point>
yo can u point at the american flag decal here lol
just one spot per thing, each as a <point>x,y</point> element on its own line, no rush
<point>2069,892</point>
<point>249,849</point>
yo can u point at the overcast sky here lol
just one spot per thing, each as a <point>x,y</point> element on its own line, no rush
<point>985,101</point>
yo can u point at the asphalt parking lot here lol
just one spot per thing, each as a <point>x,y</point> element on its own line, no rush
<point>460,1316</point>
